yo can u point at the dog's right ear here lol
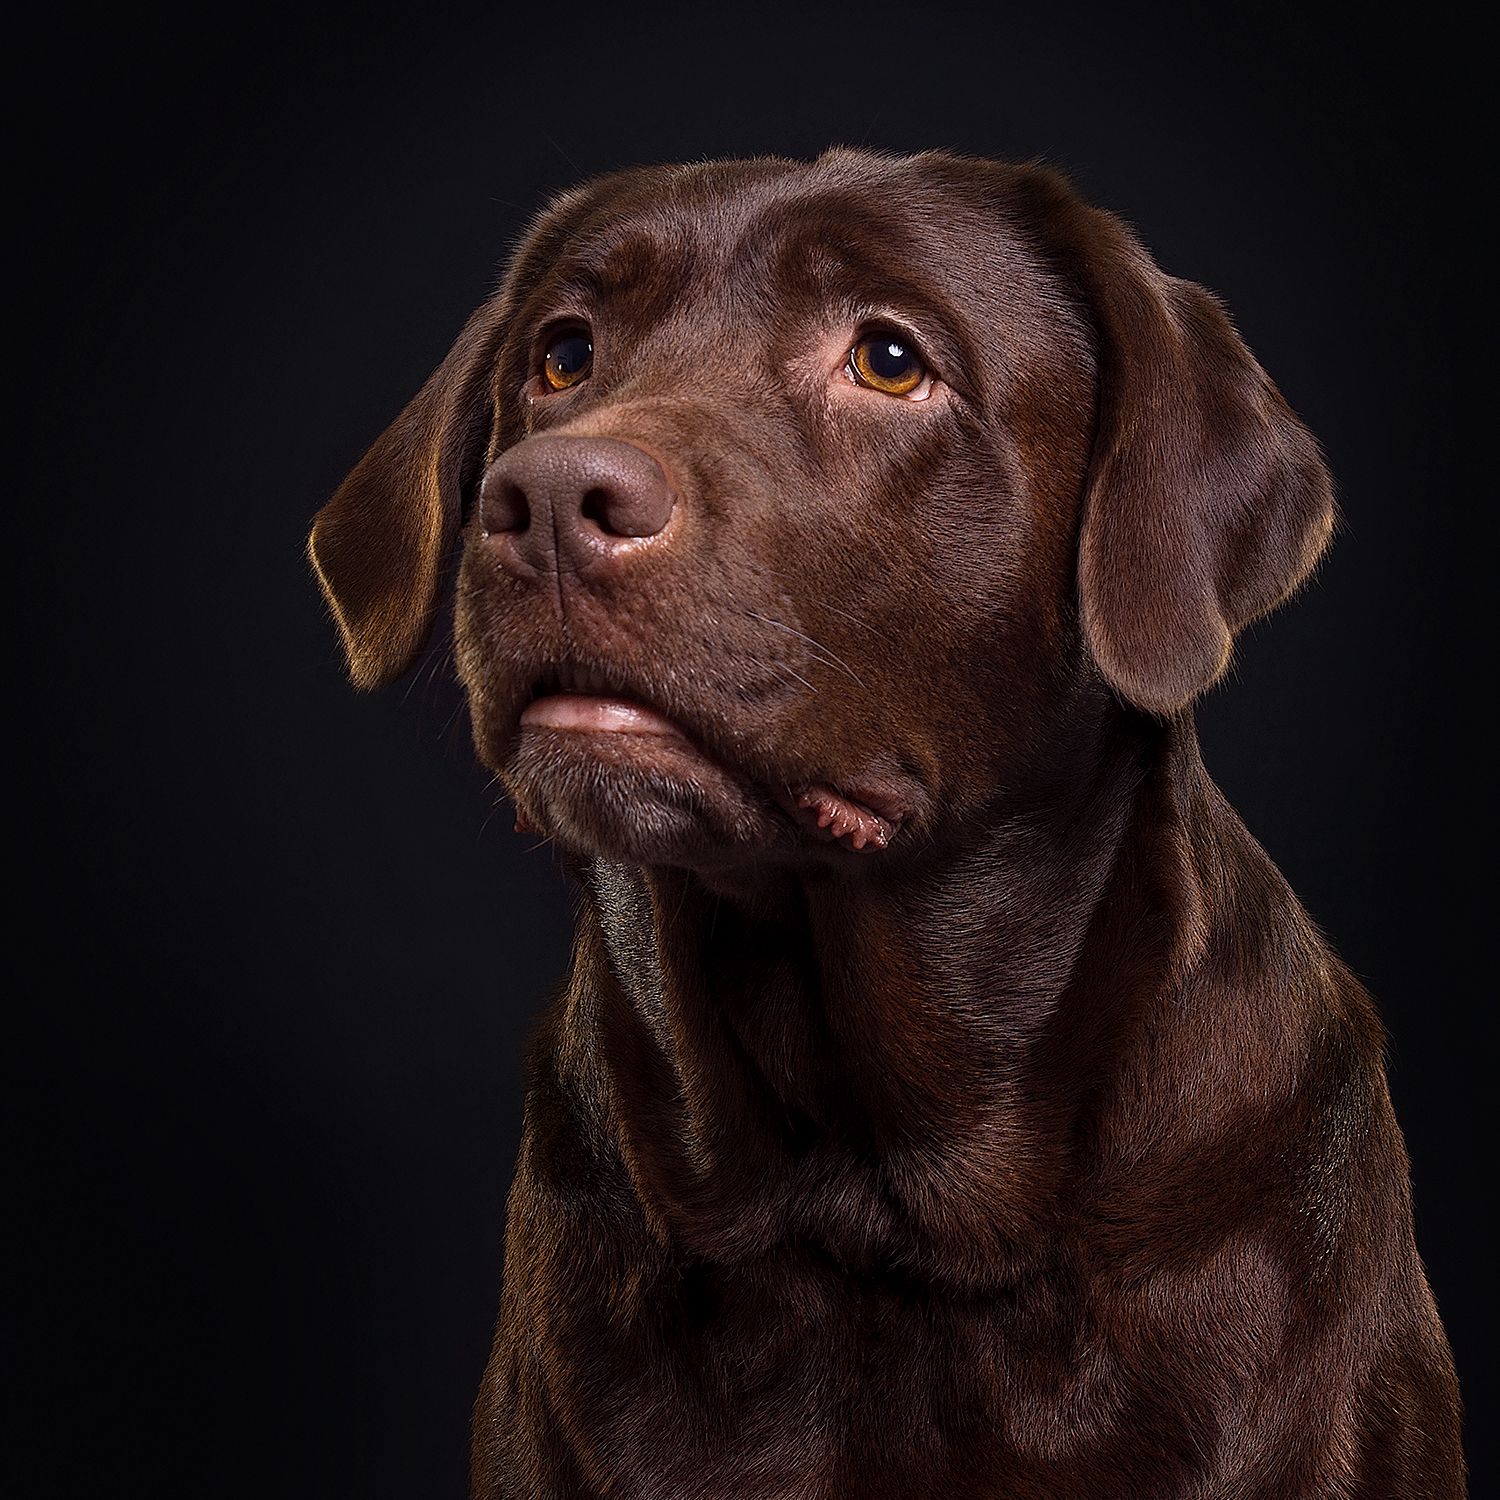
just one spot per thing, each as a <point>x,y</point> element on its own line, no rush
<point>380,545</point>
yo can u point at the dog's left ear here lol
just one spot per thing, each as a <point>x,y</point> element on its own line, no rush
<point>1207,501</point>
<point>380,545</point>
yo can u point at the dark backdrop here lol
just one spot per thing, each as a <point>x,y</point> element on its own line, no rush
<point>285,946</point>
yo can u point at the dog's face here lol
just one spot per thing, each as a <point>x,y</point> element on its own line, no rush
<point>843,521</point>
<point>806,509</point>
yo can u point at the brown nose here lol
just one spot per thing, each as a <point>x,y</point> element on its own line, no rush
<point>571,504</point>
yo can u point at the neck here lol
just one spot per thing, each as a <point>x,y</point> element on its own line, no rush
<point>892,1067</point>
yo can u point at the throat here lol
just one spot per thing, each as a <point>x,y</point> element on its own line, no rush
<point>887,1069</point>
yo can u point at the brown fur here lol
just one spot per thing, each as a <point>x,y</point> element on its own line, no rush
<point>1046,1152</point>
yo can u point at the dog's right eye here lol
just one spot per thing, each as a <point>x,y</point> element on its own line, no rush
<point>568,359</point>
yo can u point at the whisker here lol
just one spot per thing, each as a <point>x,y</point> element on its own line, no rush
<point>830,657</point>
<point>823,604</point>
<point>489,818</point>
<point>454,717</point>
<point>844,614</point>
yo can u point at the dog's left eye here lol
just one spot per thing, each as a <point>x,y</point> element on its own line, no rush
<point>886,361</point>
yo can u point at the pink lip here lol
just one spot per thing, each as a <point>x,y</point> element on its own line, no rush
<point>597,715</point>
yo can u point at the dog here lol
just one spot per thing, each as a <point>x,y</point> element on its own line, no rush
<point>948,1097</point>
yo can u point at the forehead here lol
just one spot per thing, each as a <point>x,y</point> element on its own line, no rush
<point>850,228</point>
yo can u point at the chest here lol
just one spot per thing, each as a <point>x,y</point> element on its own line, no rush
<point>793,1379</point>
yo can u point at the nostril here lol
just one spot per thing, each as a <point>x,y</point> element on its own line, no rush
<point>517,509</point>
<point>596,507</point>
<point>504,507</point>
<point>620,506</point>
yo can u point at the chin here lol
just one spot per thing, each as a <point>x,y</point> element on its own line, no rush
<point>645,798</point>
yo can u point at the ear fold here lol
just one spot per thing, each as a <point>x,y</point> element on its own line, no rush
<point>1207,502</point>
<point>380,545</point>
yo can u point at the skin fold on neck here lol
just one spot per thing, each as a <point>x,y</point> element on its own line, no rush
<point>926,1042</point>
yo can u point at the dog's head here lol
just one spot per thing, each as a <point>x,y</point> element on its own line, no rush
<point>805,508</point>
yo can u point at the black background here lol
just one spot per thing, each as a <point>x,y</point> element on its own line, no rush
<point>286,946</point>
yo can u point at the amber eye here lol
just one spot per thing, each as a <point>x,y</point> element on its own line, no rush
<point>887,362</point>
<point>568,359</point>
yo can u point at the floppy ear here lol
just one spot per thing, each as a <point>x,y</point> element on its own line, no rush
<point>1207,501</point>
<point>380,545</point>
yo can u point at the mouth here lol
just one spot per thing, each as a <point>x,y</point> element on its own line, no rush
<point>579,711</point>
<point>583,702</point>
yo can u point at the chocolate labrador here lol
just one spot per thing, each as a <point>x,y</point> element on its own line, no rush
<point>949,1097</point>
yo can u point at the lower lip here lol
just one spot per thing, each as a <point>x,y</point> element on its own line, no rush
<point>587,714</point>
